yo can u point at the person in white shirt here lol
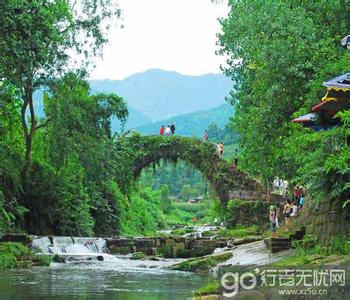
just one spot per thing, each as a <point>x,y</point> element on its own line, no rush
<point>168,131</point>
<point>275,184</point>
<point>294,210</point>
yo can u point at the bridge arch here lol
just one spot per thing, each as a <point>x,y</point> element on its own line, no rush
<point>227,181</point>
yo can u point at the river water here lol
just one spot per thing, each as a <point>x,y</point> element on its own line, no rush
<point>84,277</point>
<point>97,281</point>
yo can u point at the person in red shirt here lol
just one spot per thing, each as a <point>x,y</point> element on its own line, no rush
<point>161,131</point>
<point>297,193</point>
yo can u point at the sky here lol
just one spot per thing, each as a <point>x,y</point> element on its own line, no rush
<point>174,35</point>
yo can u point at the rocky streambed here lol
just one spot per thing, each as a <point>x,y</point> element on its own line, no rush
<point>120,267</point>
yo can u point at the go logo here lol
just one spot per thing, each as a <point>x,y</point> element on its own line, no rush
<point>232,282</point>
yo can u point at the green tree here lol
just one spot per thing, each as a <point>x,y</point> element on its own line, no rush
<point>276,50</point>
<point>35,37</point>
<point>74,209</point>
<point>77,136</point>
<point>187,192</point>
<point>10,157</point>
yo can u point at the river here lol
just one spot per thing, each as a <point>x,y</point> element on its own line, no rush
<point>84,277</point>
<point>89,272</point>
<point>97,281</point>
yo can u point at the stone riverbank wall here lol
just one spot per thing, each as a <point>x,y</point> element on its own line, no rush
<point>169,247</point>
<point>327,219</point>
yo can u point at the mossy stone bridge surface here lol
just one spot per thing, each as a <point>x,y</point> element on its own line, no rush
<point>227,181</point>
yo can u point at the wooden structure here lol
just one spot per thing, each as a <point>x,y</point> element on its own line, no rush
<point>324,113</point>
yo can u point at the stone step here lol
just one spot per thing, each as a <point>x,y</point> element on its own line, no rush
<point>278,244</point>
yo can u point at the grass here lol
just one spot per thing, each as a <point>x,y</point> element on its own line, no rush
<point>183,213</point>
<point>212,288</point>
<point>202,264</point>
<point>14,255</point>
<point>239,232</point>
<point>138,255</point>
<point>181,231</point>
<point>308,252</point>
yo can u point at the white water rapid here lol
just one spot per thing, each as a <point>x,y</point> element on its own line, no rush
<point>64,245</point>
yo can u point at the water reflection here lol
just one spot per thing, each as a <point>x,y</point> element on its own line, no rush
<point>97,283</point>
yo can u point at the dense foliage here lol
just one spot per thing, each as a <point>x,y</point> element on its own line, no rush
<point>150,150</point>
<point>183,180</point>
<point>35,37</point>
<point>13,255</point>
<point>280,52</point>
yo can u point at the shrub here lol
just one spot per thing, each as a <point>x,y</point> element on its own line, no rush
<point>14,255</point>
<point>240,231</point>
<point>212,288</point>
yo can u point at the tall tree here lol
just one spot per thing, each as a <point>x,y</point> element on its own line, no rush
<point>37,41</point>
<point>276,50</point>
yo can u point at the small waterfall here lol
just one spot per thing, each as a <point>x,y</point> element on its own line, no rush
<point>41,244</point>
<point>69,245</point>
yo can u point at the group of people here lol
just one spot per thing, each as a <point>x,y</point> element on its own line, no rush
<point>280,186</point>
<point>169,130</point>
<point>299,196</point>
<point>291,209</point>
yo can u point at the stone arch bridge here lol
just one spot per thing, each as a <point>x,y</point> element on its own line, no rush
<point>146,151</point>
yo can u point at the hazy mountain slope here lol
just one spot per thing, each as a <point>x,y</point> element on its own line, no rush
<point>135,119</point>
<point>161,94</point>
<point>192,124</point>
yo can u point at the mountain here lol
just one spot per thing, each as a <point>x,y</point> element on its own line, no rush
<point>135,119</point>
<point>192,124</point>
<point>160,94</point>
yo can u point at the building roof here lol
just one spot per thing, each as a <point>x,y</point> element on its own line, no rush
<point>311,117</point>
<point>341,82</point>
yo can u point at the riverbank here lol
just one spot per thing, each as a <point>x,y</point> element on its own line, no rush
<point>307,255</point>
<point>17,255</point>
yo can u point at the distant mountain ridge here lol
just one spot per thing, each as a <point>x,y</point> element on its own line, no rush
<point>155,95</point>
<point>192,124</point>
<point>158,94</point>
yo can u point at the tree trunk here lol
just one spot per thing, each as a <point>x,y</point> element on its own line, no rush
<point>28,131</point>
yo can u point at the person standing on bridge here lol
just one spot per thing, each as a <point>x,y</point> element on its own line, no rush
<point>167,131</point>
<point>161,131</point>
<point>172,128</point>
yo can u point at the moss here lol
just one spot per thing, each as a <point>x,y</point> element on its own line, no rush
<point>137,255</point>
<point>154,258</point>
<point>13,255</point>
<point>183,253</point>
<point>166,251</point>
<point>58,258</point>
<point>212,288</point>
<point>308,252</point>
<point>345,261</point>
<point>239,232</point>
<point>42,260</point>
<point>209,233</point>
<point>150,150</point>
<point>202,264</point>
<point>298,260</point>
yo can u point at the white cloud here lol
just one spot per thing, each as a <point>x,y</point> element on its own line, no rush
<point>177,35</point>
